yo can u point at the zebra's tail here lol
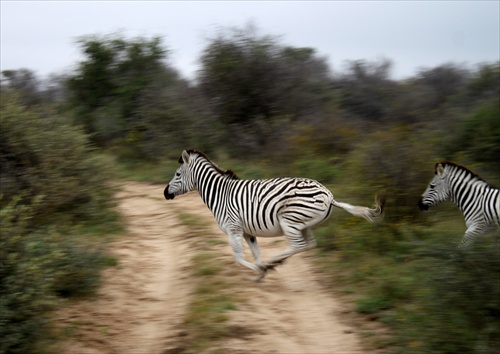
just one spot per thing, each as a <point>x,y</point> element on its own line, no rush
<point>368,213</point>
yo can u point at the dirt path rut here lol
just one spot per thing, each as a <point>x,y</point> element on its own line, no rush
<point>142,303</point>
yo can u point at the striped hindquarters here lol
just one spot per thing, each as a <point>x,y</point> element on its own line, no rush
<point>262,204</point>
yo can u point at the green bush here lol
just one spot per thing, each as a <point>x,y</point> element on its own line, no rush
<point>43,156</point>
<point>24,293</point>
<point>433,300</point>
<point>316,168</point>
<point>399,160</point>
<point>54,190</point>
<point>36,267</point>
<point>459,304</point>
<point>74,266</point>
<point>372,304</point>
<point>478,138</point>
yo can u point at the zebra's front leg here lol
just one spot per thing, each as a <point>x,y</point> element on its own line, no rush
<point>236,241</point>
<point>252,243</point>
<point>470,235</point>
<point>254,247</point>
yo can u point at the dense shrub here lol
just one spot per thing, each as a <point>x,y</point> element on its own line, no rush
<point>43,156</point>
<point>53,187</point>
<point>37,266</point>
<point>398,159</point>
<point>478,139</point>
<point>459,303</point>
<point>24,293</point>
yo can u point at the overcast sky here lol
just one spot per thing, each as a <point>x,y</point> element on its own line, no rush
<point>40,35</point>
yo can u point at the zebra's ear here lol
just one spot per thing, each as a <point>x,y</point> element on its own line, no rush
<point>440,170</point>
<point>185,157</point>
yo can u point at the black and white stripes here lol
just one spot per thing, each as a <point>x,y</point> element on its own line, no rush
<point>479,201</point>
<point>245,209</point>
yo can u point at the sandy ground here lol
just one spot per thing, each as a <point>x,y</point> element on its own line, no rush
<point>140,307</point>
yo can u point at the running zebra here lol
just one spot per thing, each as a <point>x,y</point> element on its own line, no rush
<point>479,201</point>
<point>245,209</point>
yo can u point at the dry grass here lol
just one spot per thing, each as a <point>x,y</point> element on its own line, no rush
<point>206,321</point>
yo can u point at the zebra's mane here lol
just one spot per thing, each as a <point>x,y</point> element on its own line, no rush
<point>462,168</point>
<point>228,173</point>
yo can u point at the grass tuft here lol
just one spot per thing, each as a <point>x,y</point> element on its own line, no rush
<point>206,321</point>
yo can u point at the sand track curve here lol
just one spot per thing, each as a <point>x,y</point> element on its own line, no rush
<point>141,305</point>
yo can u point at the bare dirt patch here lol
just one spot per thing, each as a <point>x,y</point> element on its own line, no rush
<point>141,306</point>
<point>142,301</point>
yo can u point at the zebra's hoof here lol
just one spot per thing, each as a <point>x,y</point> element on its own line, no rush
<point>261,276</point>
<point>271,267</point>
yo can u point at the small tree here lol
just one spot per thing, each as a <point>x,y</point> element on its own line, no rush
<point>365,89</point>
<point>478,138</point>
<point>255,85</point>
<point>440,83</point>
<point>397,159</point>
<point>25,83</point>
<point>43,156</point>
<point>111,82</point>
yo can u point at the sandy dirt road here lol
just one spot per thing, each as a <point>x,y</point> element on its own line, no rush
<point>142,303</point>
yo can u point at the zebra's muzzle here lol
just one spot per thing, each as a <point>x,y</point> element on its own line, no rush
<point>422,206</point>
<point>168,195</point>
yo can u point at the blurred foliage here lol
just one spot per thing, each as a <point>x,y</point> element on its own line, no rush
<point>255,85</point>
<point>397,159</point>
<point>432,299</point>
<point>115,70</point>
<point>25,83</point>
<point>38,266</point>
<point>43,156</point>
<point>461,304</point>
<point>128,98</point>
<point>365,89</point>
<point>25,294</point>
<point>54,189</point>
<point>483,83</point>
<point>478,139</point>
<point>263,109</point>
<point>440,84</point>
<point>145,170</point>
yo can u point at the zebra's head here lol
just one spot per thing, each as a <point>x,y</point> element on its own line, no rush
<point>437,190</point>
<point>182,181</point>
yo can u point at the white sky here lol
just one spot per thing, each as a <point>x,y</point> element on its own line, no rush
<point>40,35</point>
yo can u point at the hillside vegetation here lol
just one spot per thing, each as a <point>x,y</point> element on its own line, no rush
<point>263,109</point>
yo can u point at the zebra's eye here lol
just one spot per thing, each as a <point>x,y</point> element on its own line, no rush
<point>432,186</point>
<point>177,174</point>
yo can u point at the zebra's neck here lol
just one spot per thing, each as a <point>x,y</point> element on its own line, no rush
<point>209,182</point>
<point>464,186</point>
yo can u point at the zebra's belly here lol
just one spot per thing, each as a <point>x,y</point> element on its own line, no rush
<point>272,231</point>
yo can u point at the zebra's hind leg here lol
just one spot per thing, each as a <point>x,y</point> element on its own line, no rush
<point>299,241</point>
